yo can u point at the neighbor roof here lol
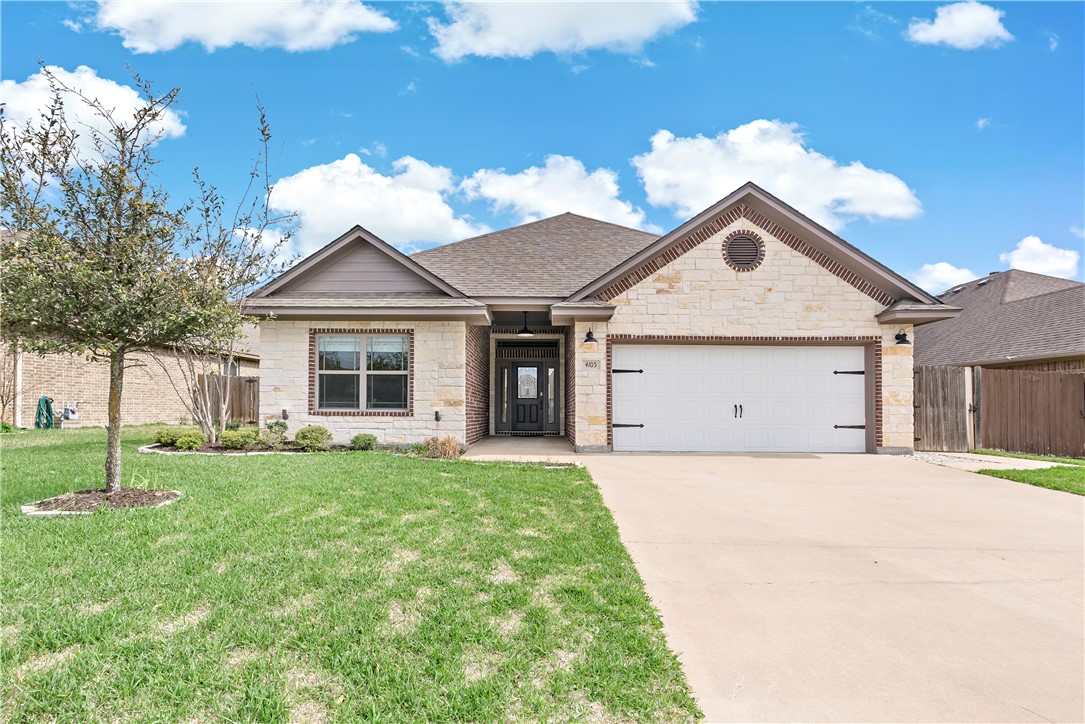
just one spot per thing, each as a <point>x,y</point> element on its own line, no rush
<point>548,258</point>
<point>1008,316</point>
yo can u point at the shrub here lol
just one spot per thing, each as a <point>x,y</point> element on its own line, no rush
<point>167,436</point>
<point>7,427</point>
<point>313,438</point>
<point>190,440</point>
<point>275,433</point>
<point>446,448</point>
<point>364,441</point>
<point>233,425</point>
<point>237,439</point>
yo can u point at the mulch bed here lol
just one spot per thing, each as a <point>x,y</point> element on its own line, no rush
<point>217,450</point>
<point>83,501</point>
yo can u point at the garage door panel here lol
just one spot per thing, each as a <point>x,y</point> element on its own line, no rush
<point>790,397</point>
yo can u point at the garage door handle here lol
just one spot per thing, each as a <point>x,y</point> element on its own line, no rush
<point>740,411</point>
<point>736,412</point>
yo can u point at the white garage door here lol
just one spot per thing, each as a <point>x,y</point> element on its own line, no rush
<point>737,398</point>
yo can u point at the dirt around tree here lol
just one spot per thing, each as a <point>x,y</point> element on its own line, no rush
<point>83,501</point>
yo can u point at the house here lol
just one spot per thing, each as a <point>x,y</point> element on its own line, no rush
<point>80,384</point>
<point>747,328</point>
<point>1010,320</point>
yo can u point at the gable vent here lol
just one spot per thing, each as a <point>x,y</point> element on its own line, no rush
<point>743,251</point>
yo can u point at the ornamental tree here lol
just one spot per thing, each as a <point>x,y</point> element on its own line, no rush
<point>98,261</point>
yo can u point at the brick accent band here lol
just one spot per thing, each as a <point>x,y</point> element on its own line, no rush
<point>715,225</point>
<point>313,333</point>
<point>875,342</point>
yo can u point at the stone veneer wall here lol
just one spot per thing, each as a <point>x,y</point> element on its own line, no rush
<point>438,383</point>
<point>478,383</point>
<point>148,396</point>
<point>789,296</point>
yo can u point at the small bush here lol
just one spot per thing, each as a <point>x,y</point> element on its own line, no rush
<point>313,438</point>
<point>190,440</point>
<point>7,427</point>
<point>275,433</point>
<point>167,436</point>
<point>237,439</point>
<point>364,441</point>
<point>445,448</point>
<point>233,425</point>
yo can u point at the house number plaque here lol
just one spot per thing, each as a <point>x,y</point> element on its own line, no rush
<point>591,364</point>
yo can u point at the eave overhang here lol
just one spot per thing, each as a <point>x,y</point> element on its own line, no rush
<point>570,312</point>
<point>473,316</point>
<point>909,311</point>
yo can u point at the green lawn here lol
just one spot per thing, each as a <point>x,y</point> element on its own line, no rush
<point>334,587</point>
<point>1067,479</point>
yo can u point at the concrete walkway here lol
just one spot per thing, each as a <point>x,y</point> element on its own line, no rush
<point>858,587</point>
<point>524,449</point>
<point>973,462</point>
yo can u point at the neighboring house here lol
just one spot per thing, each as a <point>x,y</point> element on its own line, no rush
<point>747,328</point>
<point>81,383</point>
<point>1010,320</point>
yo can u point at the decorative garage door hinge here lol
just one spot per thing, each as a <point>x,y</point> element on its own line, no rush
<point>618,372</point>
<point>622,424</point>
<point>849,427</point>
<point>849,372</point>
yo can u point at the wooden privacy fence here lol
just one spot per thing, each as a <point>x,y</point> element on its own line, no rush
<point>961,408</point>
<point>242,396</point>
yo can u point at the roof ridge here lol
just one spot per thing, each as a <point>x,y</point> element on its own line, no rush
<point>1044,294</point>
<point>483,236</point>
<point>608,223</point>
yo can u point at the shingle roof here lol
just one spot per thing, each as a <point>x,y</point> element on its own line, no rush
<point>1007,315</point>
<point>553,257</point>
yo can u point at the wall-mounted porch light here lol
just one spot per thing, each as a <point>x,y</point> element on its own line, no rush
<point>590,338</point>
<point>902,337</point>
<point>524,331</point>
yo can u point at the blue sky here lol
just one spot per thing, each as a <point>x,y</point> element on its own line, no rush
<point>946,140</point>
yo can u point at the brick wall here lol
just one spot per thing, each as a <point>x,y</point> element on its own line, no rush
<point>148,397</point>
<point>477,375</point>
<point>438,381</point>
<point>791,295</point>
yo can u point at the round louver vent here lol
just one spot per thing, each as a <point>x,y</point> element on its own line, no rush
<point>743,251</point>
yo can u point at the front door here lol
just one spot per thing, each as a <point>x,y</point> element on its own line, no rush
<point>526,399</point>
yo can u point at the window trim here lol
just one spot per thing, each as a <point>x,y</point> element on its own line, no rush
<point>315,372</point>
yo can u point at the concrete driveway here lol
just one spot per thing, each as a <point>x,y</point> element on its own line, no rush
<point>858,587</point>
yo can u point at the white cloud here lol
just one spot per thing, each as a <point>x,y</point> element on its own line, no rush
<point>983,123</point>
<point>1052,42</point>
<point>24,102</point>
<point>965,25</point>
<point>1033,255</point>
<point>690,174</point>
<point>404,208</point>
<point>1077,231</point>
<point>151,26</point>
<point>563,184</point>
<point>940,276</point>
<point>522,29</point>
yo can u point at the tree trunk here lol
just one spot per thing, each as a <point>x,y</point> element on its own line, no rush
<point>113,443</point>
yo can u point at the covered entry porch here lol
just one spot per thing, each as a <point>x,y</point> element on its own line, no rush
<point>528,383</point>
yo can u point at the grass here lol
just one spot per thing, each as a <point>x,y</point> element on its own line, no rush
<point>337,587</point>
<point>1066,479</point>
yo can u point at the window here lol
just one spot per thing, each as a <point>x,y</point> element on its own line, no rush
<point>362,372</point>
<point>229,367</point>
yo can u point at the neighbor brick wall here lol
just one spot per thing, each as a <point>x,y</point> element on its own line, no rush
<point>148,397</point>
<point>791,295</point>
<point>477,375</point>
<point>439,364</point>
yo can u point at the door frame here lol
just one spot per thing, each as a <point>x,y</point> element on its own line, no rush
<point>559,337</point>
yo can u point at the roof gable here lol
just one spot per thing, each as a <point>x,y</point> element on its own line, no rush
<point>552,257</point>
<point>358,262</point>
<point>776,218</point>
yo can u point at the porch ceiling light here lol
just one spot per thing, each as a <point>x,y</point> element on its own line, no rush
<point>902,337</point>
<point>524,331</point>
